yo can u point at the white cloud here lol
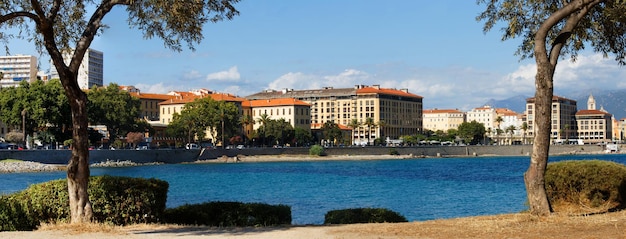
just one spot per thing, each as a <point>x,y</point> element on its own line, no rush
<point>295,80</point>
<point>347,78</point>
<point>231,74</point>
<point>158,88</point>
<point>521,81</point>
<point>193,74</point>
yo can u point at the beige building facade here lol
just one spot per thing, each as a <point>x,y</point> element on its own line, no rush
<point>391,112</point>
<point>443,119</point>
<point>563,125</point>
<point>295,112</point>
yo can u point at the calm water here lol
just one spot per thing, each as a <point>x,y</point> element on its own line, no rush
<point>419,189</point>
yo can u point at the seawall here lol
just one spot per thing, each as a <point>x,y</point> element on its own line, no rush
<point>183,155</point>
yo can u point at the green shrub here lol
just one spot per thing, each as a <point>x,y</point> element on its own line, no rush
<point>117,200</point>
<point>229,214</point>
<point>393,151</point>
<point>587,184</point>
<point>317,150</point>
<point>362,215</point>
<point>13,217</point>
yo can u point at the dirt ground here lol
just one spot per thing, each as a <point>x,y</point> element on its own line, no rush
<point>521,225</point>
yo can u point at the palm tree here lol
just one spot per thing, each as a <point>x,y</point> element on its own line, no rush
<point>264,119</point>
<point>369,122</point>
<point>499,122</point>
<point>524,129</point>
<point>381,124</point>
<point>511,129</point>
<point>245,121</point>
<point>488,132</point>
<point>354,124</point>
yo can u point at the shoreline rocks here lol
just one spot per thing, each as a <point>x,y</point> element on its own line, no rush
<point>27,166</point>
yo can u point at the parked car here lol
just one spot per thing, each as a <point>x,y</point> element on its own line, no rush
<point>192,146</point>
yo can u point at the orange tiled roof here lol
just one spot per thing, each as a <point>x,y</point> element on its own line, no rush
<point>591,112</point>
<point>506,112</point>
<point>226,97</point>
<point>151,96</point>
<point>440,111</point>
<point>387,91</point>
<point>277,102</point>
<point>186,97</point>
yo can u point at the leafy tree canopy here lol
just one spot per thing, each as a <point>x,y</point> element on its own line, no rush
<point>471,132</point>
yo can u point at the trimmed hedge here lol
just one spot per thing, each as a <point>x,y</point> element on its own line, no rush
<point>116,200</point>
<point>229,214</point>
<point>587,184</point>
<point>362,215</point>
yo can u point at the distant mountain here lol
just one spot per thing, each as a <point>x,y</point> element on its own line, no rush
<point>515,103</point>
<point>613,101</point>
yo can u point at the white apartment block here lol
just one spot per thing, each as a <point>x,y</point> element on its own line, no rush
<point>484,115</point>
<point>91,71</point>
<point>443,119</point>
<point>16,69</point>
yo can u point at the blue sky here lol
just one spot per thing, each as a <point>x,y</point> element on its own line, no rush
<point>436,49</point>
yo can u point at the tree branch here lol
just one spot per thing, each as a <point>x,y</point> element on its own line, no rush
<point>13,15</point>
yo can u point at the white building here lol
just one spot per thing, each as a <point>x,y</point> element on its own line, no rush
<point>90,72</point>
<point>16,69</point>
<point>484,115</point>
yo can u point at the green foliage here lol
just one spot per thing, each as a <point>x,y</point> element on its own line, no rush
<point>278,131</point>
<point>331,131</point>
<point>362,215</point>
<point>205,114</point>
<point>112,107</point>
<point>602,26</point>
<point>471,132</point>
<point>317,150</point>
<point>302,136</point>
<point>13,217</point>
<point>117,200</point>
<point>229,214</point>
<point>44,104</point>
<point>595,184</point>
<point>393,151</point>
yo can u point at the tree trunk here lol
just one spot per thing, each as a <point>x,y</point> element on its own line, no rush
<point>534,176</point>
<point>78,165</point>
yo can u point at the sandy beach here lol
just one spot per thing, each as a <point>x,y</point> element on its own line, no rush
<point>520,225</point>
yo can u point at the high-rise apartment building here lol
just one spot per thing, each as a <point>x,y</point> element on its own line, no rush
<point>16,69</point>
<point>381,112</point>
<point>91,71</point>
<point>563,125</point>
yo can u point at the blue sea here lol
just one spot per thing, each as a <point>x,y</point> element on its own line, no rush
<point>419,189</point>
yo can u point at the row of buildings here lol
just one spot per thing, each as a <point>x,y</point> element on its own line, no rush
<point>569,125</point>
<point>392,112</point>
<point>381,112</point>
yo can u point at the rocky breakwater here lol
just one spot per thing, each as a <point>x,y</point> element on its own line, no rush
<point>27,166</point>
